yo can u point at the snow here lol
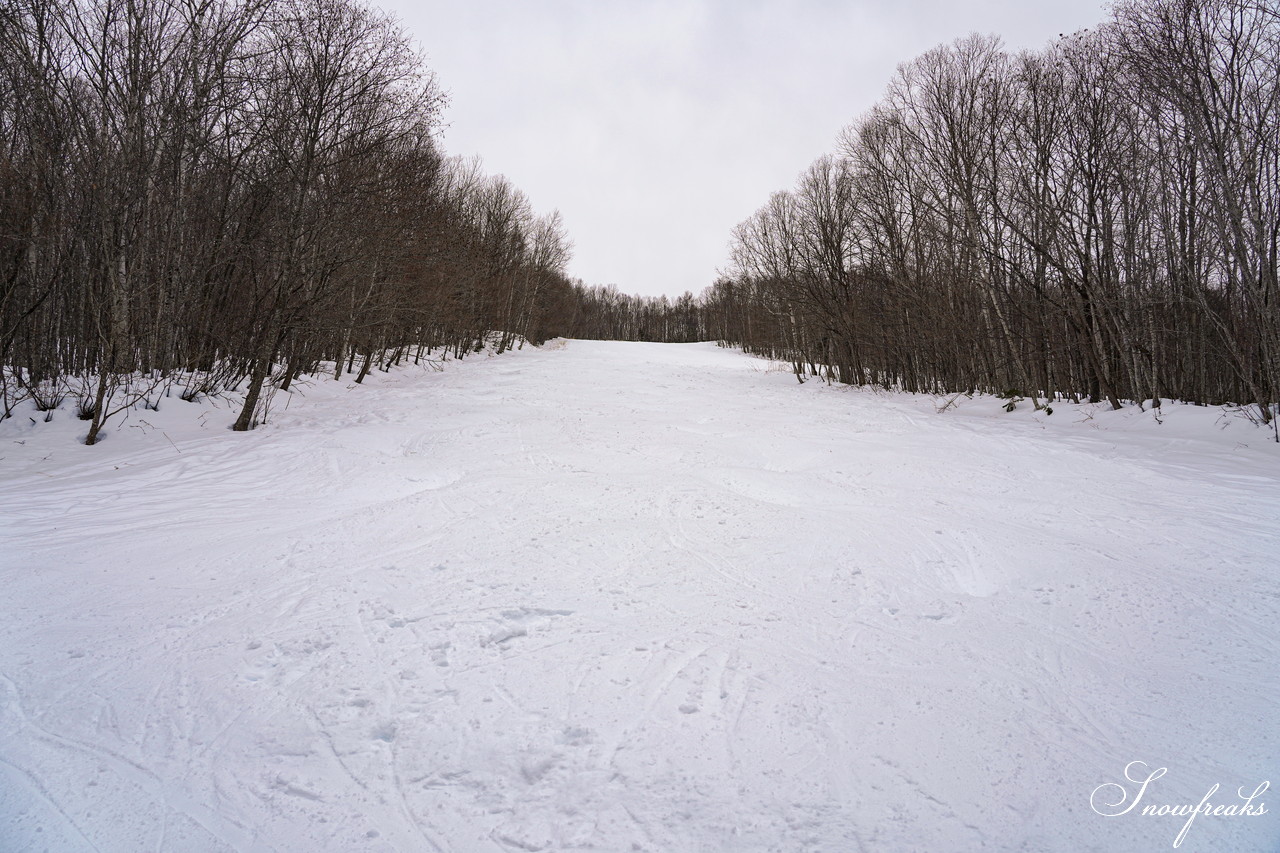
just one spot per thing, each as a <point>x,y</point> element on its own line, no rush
<point>611,596</point>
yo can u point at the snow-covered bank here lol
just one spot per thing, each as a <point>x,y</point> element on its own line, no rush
<point>614,596</point>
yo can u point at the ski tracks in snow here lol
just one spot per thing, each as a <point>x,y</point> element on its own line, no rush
<point>628,597</point>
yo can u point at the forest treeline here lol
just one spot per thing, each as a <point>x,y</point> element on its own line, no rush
<point>237,191</point>
<point>602,313</point>
<point>1096,219</point>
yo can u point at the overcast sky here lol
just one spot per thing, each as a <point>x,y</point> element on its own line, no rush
<point>655,126</point>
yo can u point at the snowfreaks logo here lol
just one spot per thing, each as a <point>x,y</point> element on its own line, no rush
<point>1111,799</point>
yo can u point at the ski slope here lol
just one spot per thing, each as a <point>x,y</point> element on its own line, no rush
<point>634,597</point>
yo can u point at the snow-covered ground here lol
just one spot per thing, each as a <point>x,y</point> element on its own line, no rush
<point>607,596</point>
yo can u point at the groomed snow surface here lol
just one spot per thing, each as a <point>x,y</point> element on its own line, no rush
<point>635,597</point>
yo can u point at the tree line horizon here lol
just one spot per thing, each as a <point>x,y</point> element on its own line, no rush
<point>240,192</point>
<point>1096,219</point>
